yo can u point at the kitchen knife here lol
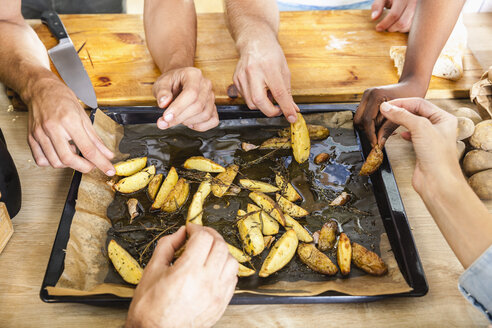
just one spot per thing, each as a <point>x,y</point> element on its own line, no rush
<point>67,61</point>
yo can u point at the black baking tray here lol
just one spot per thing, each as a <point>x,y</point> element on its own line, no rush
<point>383,183</point>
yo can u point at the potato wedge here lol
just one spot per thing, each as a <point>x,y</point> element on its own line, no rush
<point>244,271</point>
<point>154,185</point>
<point>328,236</point>
<point>316,260</point>
<point>250,232</point>
<point>124,263</point>
<point>268,241</point>
<point>166,187</point>
<point>373,161</point>
<point>135,182</point>
<point>280,254</point>
<point>177,197</point>
<point>203,164</point>
<point>341,199</point>
<point>316,132</point>
<point>290,208</point>
<point>130,167</point>
<point>286,189</point>
<point>223,180</point>
<point>344,254</point>
<point>302,234</point>
<point>256,185</point>
<point>268,224</point>
<point>368,261</point>
<point>238,254</point>
<point>276,143</point>
<point>195,210</point>
<point>299,136</point>
<point>268,205</point>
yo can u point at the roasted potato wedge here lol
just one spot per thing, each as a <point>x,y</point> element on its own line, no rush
<point>130,167</point>
<point>276,143</point>
<point>256,185</point>
<point>344,254</point>
<point>269,226</point>
<point>373,161</point>
<point>316,132</point>
<point>290,208</point>
<point>368,261</point>
<point>286,189</point>
<point>268,205</point>
<point>135,182</point>
<point>238,254</point>
<point>177,197</point>
<point>196,207</point>
<point>244,271</point>
<point>166,187</point>
<point>203,164</point>
<point>302,234</point>
<point>299,136</point>
<point>268,241</point>
<point>316,260</point>
<point>327,236</point>
<point>223,180</point>
<point>280,254</point>
<point>341,199</point>
<point>154,185</point>
<point>124,263</point>
<point>250,232</point>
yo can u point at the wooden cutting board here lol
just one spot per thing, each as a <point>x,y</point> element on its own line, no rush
<point>333,56</point>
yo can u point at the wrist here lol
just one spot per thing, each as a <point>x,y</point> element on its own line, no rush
<point>257,33</point>
<point>442,185</point>
<point>176,61</point>
<point>417,84</point>
<point>37,82</point>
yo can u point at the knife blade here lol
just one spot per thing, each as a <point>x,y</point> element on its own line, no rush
<point>67,61</point>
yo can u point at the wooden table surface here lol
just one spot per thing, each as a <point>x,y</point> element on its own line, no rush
<point>23,262</point>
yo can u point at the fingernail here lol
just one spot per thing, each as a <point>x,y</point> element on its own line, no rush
<point>374,14</point>
<point>190,126</point>
<point>162,101</point>
<point>110,172</point>
<point>162,124</point>
<point>292,118</point>
<point>385,107</point>
<point>168,117</point>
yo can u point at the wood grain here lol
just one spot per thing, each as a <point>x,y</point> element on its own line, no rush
<point>333,56</point>
<point>6,227</point>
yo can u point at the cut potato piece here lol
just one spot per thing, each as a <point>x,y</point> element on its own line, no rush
<point>276,143</point>
<point>135,182</point>
<point>316,132</point>
<point>280,254</point>
<point>177,197</point>
<point>328,236</point>
<point>223,181</point>
<point>165,189</point>
<point>250,232</point>
<point>373,161</point>
<point>268,240</point>
<point>130,167</point>
<point>302,234</point>
<point>341,199</point>
<point>257,185</point>
<point>286,189</point>
<point>238,254</point>
<point>124,263</point>
<point>196,207</point>
<point>316,260</point>
<point>268,205</point>
<point>368,261</point>
<point>244,271</point>
<point>203,164</point>
<point>154,185</point>
<point>299,136</point>
<point>268,224</point>
<point>290,208</point>
<point>344,254</point>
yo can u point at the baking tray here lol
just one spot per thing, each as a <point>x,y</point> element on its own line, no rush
<point>385,191</point>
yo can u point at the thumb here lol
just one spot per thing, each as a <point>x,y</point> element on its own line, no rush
<point>163,91</point>
<point>402,117</point>
<point>377,9</point>
<point>166,247</point>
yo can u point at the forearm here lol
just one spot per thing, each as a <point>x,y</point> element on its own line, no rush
<point>433,23</point>
<point>170,30</point>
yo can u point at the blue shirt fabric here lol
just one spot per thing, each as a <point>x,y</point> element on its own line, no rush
<point>301,5</point>
<point>476,283</point>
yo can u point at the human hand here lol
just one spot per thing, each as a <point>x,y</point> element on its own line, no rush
<point>58,125</point>
<point>261,67</point>
<point>194,291</point>
<point>399,17</point>
<point>432,132</point>
<point>188,98</point>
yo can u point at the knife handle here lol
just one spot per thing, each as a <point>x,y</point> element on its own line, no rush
<point>54,23</point>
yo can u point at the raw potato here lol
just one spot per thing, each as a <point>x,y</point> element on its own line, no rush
<point>316,132</point>
<point>465,128</point>
<point>481,183</point>
<point>257,185</point>
<point>244,271</point>
<point>280,254</point>
<point>203,164</point>
<point>124,263</point>
<point>482,137</point>
<point>154,185</point>
<point>316,260</point>
<point>476,161</point>
<point>465,112</point>
<point>250,232</point>
<point>321,158</point>
<point>276,143</point>
<point>299,135</point>
<point>135,182</point>
<point>328,236</point>
<point>130,167</point>
<point>344,254</point>
<point>223,181</point>
<point>368,261</point>
<point>268,224</point>
<point>177,197</point>
<point>302,234</point>
<point>286,189</point>
<point>196,207</point>
<point>268,205</point>
<point>290,208</point>
<point>373,161</point>
<point>341,199</point>
<point>460,147</point>
<point>166,187</point>
<point>238,254</point>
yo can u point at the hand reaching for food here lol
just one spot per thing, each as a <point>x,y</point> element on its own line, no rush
<point>398,19</point>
